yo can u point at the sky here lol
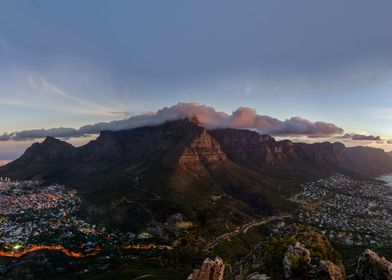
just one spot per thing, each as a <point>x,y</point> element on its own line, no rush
<point>71,64</point>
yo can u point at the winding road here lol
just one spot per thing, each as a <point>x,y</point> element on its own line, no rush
<point>243,230</point>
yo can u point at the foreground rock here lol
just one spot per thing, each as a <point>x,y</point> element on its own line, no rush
<point>296,261</point>
<point>297,264</point>
<point>372,267</point>
<point>210,270</point>
<point>328,270</point>
<point>295,252</point>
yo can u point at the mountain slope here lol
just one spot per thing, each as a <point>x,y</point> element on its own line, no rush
<point>300,161</point>
<point>218,179</point>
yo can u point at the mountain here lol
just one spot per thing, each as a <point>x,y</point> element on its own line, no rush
<point>218,179</point>
<point>149,173</point>
<point>285,159</point>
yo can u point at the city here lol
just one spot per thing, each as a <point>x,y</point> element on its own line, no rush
<point>35,216</point>
<point>353,212</point>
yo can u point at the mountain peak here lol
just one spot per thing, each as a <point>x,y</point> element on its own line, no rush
<point>53,142</point>
<point>50,139</point>
<point>193,120</point>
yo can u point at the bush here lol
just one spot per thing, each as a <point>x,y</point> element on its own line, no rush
<point>275,249</point>
<point>298,265</point>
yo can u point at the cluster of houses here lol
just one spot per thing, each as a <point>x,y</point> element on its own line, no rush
<point>349,211</point>
<point>32,214</point>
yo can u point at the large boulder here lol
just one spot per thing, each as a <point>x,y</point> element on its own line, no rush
<point>327,270</point>
<point>210,270</point>
<point>372,267</point>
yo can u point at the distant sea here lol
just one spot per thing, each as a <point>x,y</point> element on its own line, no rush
<point>386,178</point>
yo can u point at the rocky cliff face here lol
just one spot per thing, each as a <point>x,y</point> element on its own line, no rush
<point>297,263</point>
<point>285,159</point>
<point>372,267</point>
<point>252,149</point>
<point>203,149</point>
<point>210,270</point>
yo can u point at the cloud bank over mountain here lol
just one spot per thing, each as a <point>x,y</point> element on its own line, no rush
<point>243,117</point>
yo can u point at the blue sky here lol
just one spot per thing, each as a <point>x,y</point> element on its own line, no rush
<point>71,63</point>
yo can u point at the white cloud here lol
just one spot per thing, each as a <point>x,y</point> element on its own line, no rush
<point>243,117</point>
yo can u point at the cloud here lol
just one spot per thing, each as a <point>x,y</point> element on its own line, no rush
<point>243,117</point>
<point>5,137</point>
<point>360,137</point>
<point>389,141</point>
<point>366,137</point>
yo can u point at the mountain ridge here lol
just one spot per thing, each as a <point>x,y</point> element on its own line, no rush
<point>217,178</point>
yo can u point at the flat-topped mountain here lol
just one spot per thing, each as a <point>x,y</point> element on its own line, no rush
<point>217,178</point>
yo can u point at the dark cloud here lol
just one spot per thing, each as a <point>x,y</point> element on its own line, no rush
<point>361,137</point>
<point>61,132</point>
<point>5,137</point>
<point>389,141</point>
<point>210,118</point>
<point>345,136</point>
<point>366,137</point>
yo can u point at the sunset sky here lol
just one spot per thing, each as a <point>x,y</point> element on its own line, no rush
<point>73,63</point>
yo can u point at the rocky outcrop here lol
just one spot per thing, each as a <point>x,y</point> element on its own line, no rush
<point>210,270</point>
<point>298,264</point>
<point>327,270</point>
<point>295,252</point>
<point>372,267</point>
<point>296,261</point>
<point>309,257</point>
